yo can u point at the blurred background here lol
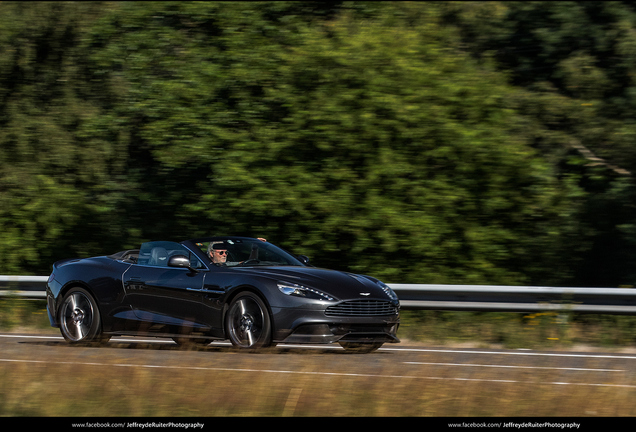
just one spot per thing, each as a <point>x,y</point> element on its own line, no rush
<point>417,142</point>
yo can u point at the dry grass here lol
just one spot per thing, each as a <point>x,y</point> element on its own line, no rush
<point>547,330</point>
<point>95,391</point>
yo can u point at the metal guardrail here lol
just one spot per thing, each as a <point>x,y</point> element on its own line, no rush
<point>447,297</point>
<point>31,287</point>
<point>516,298</point>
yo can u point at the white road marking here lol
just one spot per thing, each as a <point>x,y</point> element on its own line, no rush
<point>17,336</point>
<point>30,336</point>
<point>515,367</point>
<point>515,353</point>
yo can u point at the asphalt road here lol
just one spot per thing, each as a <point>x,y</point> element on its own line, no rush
<point>398,361</point>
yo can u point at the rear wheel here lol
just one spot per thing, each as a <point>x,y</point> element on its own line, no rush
<point>80,320</point>
<point>247,322</point>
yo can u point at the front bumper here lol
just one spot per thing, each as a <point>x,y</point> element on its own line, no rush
<point>326,333</point>
<point>313,326</point>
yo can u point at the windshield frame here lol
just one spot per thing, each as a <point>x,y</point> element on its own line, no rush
<point>200,246</point>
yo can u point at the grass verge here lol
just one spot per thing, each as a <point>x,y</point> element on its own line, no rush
<point>546,330</point>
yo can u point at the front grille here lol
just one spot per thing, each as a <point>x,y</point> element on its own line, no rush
<point>362,308</point>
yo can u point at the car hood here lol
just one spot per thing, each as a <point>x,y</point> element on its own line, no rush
<point>342,285</point>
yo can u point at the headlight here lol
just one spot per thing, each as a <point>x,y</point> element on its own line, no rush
<point>387,289</point>
<point>303,291</point>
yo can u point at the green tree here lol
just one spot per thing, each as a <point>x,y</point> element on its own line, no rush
<point>370,136</point>
<point>373,142</point>
<point>575,59</point>
<point>55,181</point>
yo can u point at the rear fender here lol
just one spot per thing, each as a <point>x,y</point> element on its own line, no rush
<point>53,310</point>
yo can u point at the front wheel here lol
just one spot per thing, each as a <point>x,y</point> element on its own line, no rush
<point>247,322</point>
<point>80,320</point>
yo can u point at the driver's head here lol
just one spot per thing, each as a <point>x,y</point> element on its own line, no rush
<point>217,252</point>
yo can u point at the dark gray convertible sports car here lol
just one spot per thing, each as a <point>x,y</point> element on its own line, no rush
<point>197,291</point>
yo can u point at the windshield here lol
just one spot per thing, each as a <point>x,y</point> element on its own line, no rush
<point>244,252</point>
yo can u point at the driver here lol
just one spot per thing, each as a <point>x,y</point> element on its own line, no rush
<point>217,251</point>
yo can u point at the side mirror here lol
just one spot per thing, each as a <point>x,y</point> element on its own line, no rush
<point>180,261</point>
<point>303,259</point>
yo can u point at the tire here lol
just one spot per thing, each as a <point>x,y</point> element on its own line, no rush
<point>361,348</point>
<point>80,320</point>
<point>247,322</point>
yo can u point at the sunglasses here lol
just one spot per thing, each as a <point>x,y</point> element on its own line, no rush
<point>221,252</point>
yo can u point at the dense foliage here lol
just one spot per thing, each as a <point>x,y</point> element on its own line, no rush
<point>419,142</point>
